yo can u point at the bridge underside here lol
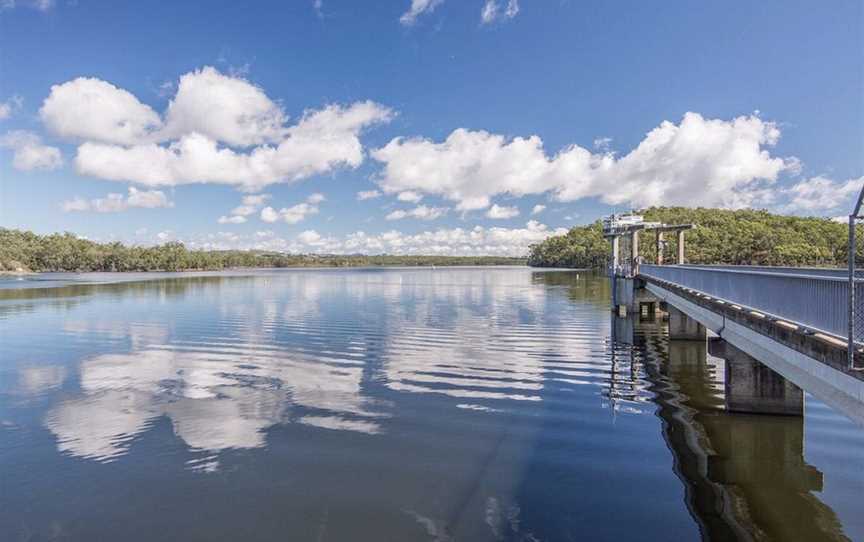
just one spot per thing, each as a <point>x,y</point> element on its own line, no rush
<point>811,363</point>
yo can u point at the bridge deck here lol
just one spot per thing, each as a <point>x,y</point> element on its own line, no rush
<point>813,299</point>
<point>815,362</point>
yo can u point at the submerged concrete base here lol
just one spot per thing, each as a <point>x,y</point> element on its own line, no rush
<point>630,297</point>
<point>682,327</point>
<point>800,362</point>
<point>755,388</point>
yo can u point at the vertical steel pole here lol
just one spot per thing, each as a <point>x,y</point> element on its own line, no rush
<point>850,350</point>
<point>613,274</point>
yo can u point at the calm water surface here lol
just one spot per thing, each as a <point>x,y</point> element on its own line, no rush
<point>399,404</point>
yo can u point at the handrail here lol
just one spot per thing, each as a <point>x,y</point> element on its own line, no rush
<point>816,302</point>
<point>842,275</point>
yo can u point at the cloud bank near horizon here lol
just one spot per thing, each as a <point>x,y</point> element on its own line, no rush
<point>473,241</point>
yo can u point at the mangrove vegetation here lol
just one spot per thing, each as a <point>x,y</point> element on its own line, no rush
<point>24,251</point>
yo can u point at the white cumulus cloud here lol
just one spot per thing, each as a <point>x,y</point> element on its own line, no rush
<point>231,219</point>
<point>502,212</point>
<point>410,196</point>
<point>322,141</point>
<point>316,198</point>
<point>418,8</point>
<point>368,194</point>
<point>309,237</point>
<point>29,153</point>
<point>115,203</point>
<point>227,109</point>
<point>493,11</point>
<point>217,129</point>
<point>94,110</point>
<point>699,161</point>
<point>819,194</point>
<point>421,212</point>
<point>249,205</point>
<point>10,106</point>
<point>41,5</point>
<point>538,209</point>
<point>293,214</point>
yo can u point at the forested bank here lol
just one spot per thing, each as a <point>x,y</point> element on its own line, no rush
<point>27,251</point>
<point>745,237</point>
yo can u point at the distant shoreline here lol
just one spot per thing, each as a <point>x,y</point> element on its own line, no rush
<point>11,283</point>
<point>35,274</point>
<point>23,251</point>
<point>515,263</point>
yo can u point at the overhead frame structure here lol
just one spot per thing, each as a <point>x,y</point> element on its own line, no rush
<point>632,231</point>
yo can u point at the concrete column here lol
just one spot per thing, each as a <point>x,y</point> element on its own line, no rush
<point>680,247</point>
<point>622,329</point>
<point>754,388</point>
<point>614,254</point>
<point>634,248</point>
<point>658,243</point>
<point>682,327</point>
<point>625,293</point>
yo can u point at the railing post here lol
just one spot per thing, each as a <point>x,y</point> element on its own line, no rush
<point>850,346</point>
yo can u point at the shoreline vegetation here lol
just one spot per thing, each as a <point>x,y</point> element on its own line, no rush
<point>743,237</point>
<point>24,253</point>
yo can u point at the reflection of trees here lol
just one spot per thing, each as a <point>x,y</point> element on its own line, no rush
<point>15,301</point>
<point>177,286</point>
<point>581,286</point>
<point>745,475</point>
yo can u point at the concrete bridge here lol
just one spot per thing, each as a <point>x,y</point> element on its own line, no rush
<point>782,330</point>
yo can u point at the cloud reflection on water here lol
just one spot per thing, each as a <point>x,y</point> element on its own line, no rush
<point>313,342</point>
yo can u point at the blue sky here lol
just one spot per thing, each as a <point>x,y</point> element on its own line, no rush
<point>578,107</point>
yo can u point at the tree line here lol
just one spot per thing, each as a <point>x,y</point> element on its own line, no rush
<point>26,251</point>
<point>742,237</point>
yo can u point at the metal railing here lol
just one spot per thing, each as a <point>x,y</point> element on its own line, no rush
<point>854,314</point>
<point>817,271</point>
<point>818,301</point>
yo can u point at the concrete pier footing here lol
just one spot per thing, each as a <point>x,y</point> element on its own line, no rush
<point>631,298</point>
<point>682,327</point>
<point>753,387</point>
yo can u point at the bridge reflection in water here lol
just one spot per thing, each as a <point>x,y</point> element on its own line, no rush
<point>745,475</point>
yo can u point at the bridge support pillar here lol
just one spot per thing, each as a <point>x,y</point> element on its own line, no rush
<point>753,387</point>
<point>682,327</point>
<point>631,297</point>
<point>658,247</point>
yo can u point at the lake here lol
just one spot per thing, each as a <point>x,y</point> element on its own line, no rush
<point>389,404</point>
